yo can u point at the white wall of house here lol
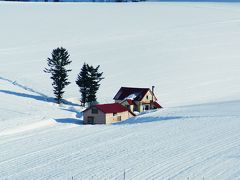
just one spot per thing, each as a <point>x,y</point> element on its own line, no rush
<point>148,97</point>
<point>102,118</point>
<point>99,118</point>
<point>116,117</point>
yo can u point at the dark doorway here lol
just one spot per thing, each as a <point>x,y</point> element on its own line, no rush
<point>90,120</point>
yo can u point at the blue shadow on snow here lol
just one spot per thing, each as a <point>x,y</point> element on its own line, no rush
<point>37,97</point>
<point>78,115</point>
<point>69,121</point>
<point>138,120</point>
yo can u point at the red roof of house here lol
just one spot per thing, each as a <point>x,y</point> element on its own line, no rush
<point>130,102</point>
<point>156,105</point>
<point>110,108</point>
<point>124,92</point>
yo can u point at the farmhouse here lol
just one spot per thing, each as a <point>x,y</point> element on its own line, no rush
<point>106,114</point>
<point>137,99</point>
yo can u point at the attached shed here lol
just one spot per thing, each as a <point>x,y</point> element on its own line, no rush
<point>106,114</point>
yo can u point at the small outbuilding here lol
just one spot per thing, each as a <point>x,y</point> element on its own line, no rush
<point>106,114</point>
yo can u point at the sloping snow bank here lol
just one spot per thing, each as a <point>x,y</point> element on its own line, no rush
<point>192,142</point>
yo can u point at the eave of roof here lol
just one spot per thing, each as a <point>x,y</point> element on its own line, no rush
<point>109,108</point>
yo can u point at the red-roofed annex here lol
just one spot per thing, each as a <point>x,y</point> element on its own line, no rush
<point>106,113</point>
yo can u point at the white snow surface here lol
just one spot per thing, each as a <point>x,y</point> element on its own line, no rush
<point>188,51</point>
<point>196,142</point>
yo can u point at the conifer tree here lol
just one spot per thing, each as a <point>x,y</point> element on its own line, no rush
<point>89,82</point>
<point>56,64</point>
<point>83,81</point>
<point>95,78</point>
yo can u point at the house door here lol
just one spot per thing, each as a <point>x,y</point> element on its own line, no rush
<point>90,120</point>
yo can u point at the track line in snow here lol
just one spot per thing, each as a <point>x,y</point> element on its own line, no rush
<point>15,83</point>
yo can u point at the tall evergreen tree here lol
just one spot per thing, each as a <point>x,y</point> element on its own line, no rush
<point>83,81</point>
<point>95,78</point>
<point>56,64</point>
<point>89,82</point>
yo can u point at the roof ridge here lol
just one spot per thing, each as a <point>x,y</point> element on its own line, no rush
<point>134,87</point>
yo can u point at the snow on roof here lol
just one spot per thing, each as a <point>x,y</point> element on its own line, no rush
<point>131,97</point>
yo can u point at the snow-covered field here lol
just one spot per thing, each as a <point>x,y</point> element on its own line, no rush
<point>189,51</point>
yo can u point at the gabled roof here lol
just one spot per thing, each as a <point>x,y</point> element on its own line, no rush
<point>109,108</point>
<point>136,93</point>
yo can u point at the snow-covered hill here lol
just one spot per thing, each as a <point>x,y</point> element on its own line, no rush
<point>189,51</point>
<point>195,142</point>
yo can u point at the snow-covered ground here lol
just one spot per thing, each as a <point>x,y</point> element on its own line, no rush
<point>189,51</point>
<point>195,142</point>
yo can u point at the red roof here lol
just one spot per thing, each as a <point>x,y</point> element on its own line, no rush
<point>110,108</point>
<point>130,102</point>
<point>156,105</point>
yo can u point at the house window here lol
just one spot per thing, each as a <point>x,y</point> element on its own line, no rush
<point>114,114</point>
<point>147,97</point>
<point>119,118</point>
<point>94,111</point>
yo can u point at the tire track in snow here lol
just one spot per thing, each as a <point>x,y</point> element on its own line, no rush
<point>55,159</point>
<point>47,150</point>
<point>182,160</point>
<point>154,169</point>
<point>102,150</point>
<point>154,163</point>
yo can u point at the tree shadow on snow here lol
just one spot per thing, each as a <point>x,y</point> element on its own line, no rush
<point>138,120</point>
<point>78,113</point>
<point>37,97</point>
<point>69,121</point>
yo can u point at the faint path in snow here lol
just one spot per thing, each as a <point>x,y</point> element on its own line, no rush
<point>15,83</point>
<point>39,97</point>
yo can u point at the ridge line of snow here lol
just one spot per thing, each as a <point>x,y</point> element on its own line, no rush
<point>28,127</point>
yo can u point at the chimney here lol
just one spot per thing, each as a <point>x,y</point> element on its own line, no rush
<point>152,96</point>
<point>153,89</point>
